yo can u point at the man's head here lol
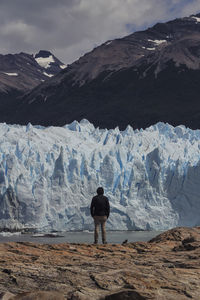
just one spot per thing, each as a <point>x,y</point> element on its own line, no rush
<point>100,191</point>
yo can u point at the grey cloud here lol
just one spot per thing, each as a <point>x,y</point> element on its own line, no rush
<point>69,28</point>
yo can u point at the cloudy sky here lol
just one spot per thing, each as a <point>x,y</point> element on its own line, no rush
<point>69,28</point>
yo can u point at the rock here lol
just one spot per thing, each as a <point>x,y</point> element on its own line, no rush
<point>167,267</point>
<point>39,296</point>
<point>178,234</point>
<point>6,296</point>
<point>124,242</point>
<point>125,295</point>
<point>79,296</point>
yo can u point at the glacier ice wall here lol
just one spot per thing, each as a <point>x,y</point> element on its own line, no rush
<point>48,176</point>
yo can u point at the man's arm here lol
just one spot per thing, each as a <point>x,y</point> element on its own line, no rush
<point>107,207</point>
<point>92,208</point>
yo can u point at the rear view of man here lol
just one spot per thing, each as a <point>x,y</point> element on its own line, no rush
<point>100,210</point>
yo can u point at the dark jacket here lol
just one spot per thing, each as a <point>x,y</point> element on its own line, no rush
<point>100,206</point>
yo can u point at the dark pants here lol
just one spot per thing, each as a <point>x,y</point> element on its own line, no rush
<point>100,220</point>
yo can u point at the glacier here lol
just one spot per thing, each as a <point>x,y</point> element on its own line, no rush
<point>48,176</point>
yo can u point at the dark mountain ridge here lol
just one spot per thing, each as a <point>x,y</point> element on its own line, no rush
<point>143,78</point>
<point>24,71</point>
<point>19,73</point>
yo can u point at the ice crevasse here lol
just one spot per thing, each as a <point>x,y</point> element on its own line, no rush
<point>48,176</point>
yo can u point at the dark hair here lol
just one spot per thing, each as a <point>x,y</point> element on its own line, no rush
<point>100,191</point>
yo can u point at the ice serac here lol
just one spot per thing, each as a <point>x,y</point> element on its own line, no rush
<point>48,176</point>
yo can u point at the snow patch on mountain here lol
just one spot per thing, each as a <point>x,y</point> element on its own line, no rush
<point>45,62</point>
<point>158,42</point>
<point>197,19</point>
<point>108,43</point>
<point>63,66</point>
<point>49,75</point>
<point>48,176</point>
<point>11,74</point>
<point>150,49</point>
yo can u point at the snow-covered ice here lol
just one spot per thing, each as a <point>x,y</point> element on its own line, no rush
<point>48,176</point>
<point>8,234</point>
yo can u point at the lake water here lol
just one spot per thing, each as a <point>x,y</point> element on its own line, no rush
<point>114,237</point>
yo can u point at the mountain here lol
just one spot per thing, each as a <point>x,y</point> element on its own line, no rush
<point>48,176</point>
<point>19,73</point>
<point>143,78</point>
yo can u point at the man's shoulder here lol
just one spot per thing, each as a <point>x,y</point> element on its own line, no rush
<point>105,198</point>
<point>100,197</point>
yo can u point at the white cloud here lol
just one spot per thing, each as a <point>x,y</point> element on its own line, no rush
<point>73,27</point>
<point>19,29</point>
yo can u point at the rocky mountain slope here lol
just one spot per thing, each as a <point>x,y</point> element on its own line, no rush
<point>143,78</point>
<point>19,73</point>
<point>24,71</point>
<point>168,267</point>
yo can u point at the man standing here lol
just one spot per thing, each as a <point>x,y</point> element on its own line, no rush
<point>100,210</point>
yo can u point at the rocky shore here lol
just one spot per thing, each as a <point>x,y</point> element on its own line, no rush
<point>167,267</point>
